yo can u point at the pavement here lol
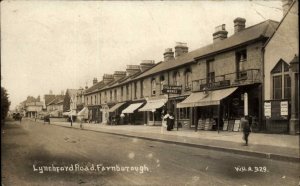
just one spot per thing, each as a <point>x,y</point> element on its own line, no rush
<point>271,146</point>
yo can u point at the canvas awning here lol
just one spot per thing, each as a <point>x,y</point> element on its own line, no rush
<point>70,113</point>
<point>131,108</point>
<point>152,105</point>
<point>84,113</point>
<point>115,107</point>
<point>191,100</point>
<point>201,99</point>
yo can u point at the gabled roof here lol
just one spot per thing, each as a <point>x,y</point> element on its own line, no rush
<point>58,99</point>
<point>277,27</point>
<point>48,98</point>
<point>72,92</point>
<point>260,31</point>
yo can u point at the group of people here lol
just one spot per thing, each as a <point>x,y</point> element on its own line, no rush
<point>170,120</point>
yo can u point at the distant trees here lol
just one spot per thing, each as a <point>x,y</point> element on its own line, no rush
<point>5,103</point>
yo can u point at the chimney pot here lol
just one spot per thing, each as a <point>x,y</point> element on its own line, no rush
<point>95,81</point>
<point>181,48</point>
<point>169,54</point>
<point>239,24</point>
<point>220,33</point>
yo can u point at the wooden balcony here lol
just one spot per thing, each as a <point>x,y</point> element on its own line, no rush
<point>245,77</point>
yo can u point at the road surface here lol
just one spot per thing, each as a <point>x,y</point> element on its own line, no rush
<point>38,154</point>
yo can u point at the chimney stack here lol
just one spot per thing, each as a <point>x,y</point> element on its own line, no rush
<point>146,64</point>
<point>220,33</point>
<point>239,24</point>
<point>132,69</point>
<point>119,74</point>
<point>169,54</point>
<point>95,81</point>
<point>108,78</point>
<point>181,48</point>
<point>286,5</point>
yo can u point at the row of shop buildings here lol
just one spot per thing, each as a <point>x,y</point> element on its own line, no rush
<point>252,72</point>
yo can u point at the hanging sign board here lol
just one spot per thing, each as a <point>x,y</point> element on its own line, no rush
<point>171,89</point>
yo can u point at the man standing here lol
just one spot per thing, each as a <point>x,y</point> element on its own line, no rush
<point>246,128</point>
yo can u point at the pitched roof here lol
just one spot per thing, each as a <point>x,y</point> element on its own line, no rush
<point>96,86</point>
<point>58,99</point>
<point>259,31</point>
<point>48,98</point>
<point>277,27</point>
<point>72,92</point>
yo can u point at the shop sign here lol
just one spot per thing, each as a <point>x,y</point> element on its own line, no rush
<point>213,85</point>
<point>284,108</point>
<point>267,108</point>
<point>172,89</point>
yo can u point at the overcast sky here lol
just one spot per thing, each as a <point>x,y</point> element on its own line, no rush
<point>65,44</point>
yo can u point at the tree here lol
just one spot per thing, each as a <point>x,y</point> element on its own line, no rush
<point>5,103</point>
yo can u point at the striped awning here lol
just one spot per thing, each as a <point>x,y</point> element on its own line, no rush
<point>115,107</point>
<point>131,108</point>
<point>152,105</point>
<point>199,99</point>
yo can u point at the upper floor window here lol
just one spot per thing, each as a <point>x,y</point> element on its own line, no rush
<point>162,82</point>
<point>176,78</point>
<point>241,59</point>
<point>210,71</point>
<point>110,95</point>
<point>142,88</point>
<point>91,100</point>
<point>95,99</point>
<point>153,87</point>
<point>188,79</point>
<point>127,91</point>
<point>135,90</point>
<point>105,96</point>
<point>115,95</point>
<point>281,81</point>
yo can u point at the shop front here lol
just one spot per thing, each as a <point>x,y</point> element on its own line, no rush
<point>95,114</point>
<point>115,112</point>
<point>154,109</point>
<point>222,109</point>
<point>131,115</point>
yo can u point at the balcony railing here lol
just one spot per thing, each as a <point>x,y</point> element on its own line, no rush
<point>227,80</point>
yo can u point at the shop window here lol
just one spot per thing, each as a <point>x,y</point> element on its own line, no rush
<point>153,87</point>
<point>188,79</point>
<point>176,78</point>
<point>281,81</point>
<point>184,113</point>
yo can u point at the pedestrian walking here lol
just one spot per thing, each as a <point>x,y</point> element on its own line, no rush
<point>20,118</point>
<point>71,119</point>
<point>246,128</point>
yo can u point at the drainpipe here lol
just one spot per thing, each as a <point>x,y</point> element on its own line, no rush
<point>260,119</point>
